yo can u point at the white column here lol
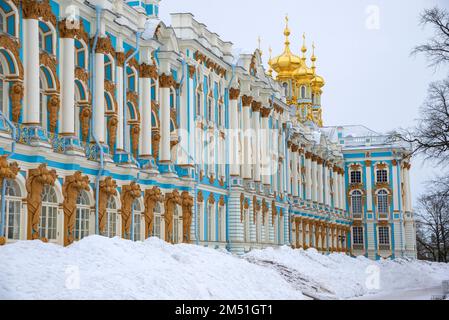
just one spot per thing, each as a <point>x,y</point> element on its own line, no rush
<point>265,147</point>
<point>295,190</point>
<point>98,108</point>
<point>326,184</point>
<point>31,100</point>
<point>407,188</point>
<point>67,114</point>
<point>191,147</point>
<point>255,141</point>
<point>308,176</point>
<point>396,185</point>
<point>320,181</point>
<point>342,191</point>
<point>314,179</point>
<point>164,88</point>
<point>336,188</point>
<point>119,84</point>
<point>246,166</point>
<point>234,132</point>
<point>369,194</point>
<point>182,132</point>
<point>146,127</point>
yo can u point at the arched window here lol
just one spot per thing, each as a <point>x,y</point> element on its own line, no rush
<point>131,75</point>
<point>48,223</point>
<point>157,225</point>
<point>137,208</point>
<point>210,222</point>
<point>108,68</point>
<point>13,205</point>
<point>47,38</point>
<point>303,92</point>
<point>382,202</point>
<point>82,215</point>
<point>111,212</point>
<point>81,55</point>
<point>356,203</point>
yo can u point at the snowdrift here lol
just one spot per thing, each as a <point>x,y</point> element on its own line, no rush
<point>103,268</point>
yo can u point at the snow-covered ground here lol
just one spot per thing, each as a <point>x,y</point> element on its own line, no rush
<point>103,268</point>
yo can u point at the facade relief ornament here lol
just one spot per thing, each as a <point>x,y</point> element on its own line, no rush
<point>85,115</point>
<point>8,170</point>
<point>155,140</point>
<point>120,57</point>
<point>148,71</point>
<point>16,94</point>
<point>151,198</point>
<point>108,188</point>
<point>187,212</point>
<point>265,112</point>
<point>112,132</point>
<point>166,81</point>
<point>200,197</point>
<point>104,46</point>
<point>33,9</point>
<point>246,100</point>
<point>255,105</point>
<point>37,179</point>
<point>129,194</point>
<point>172,199</point>
<point>82,75</point>
<point>192,71</point>
<point>53,106</point>
<point>135,136</point>
<point>256,208</point>
<point>71,189</point>
<point>234,93</point>
<point>264,210</point>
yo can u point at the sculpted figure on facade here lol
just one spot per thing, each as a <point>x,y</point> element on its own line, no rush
<point>187,206</point>
<point>112,131</point>
<point>151,198</point>
<point>108,188</point>
<point>129,194</point>
<point>85,115</point>
<point>70,190</point>
<point>53,105</point>
<point>171,200</point>
<point>135,135</point>
<point>16,94</point>
<point>37,179</point>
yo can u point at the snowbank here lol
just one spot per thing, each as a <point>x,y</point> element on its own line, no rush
<point>347,277</point>
<point>103,268</point>
<point>121,269</point>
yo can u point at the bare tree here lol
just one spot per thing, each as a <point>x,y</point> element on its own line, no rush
<point>433,225</point>
<point>437,48</point>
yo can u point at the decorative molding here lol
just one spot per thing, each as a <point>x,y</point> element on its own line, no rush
<point>71,189</point>
<point>16,93</point>
<point>187,212</point>
<point>108,188</point>
<point>112,132</point>
<point>85,115</point>
<point>166,81</point>
<point>129,194</point>
<point>37,179</point>
<point>148,71</point>
<point>234,93</point>
<point>171,200</point>
<point>53,106</point>
<point>151,198</point>
<point>246,100</point>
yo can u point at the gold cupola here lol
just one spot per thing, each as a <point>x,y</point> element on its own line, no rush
<point>304,74</point>
<point>287,62</point>
<point>317,81</point>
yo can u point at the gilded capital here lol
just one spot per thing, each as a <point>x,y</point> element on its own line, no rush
<point>234,93</point>
<point>246,100</point>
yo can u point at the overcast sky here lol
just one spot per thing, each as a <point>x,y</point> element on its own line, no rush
<point>363,50</point>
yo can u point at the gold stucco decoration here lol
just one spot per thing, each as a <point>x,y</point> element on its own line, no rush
<point>171,200</point>
<point>129,194</point>
<point>151,198</point>
<point>187,206</point>
<point>108,188</point>
<point>37,179</point>
<point>70,190</point>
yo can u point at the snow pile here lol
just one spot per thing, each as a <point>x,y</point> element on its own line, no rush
<point>103,268</point>
<point>348,277</point>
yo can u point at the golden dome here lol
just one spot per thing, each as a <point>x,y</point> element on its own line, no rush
<point>303,74</point>
<point>287,62</point>
<point>317,81</point>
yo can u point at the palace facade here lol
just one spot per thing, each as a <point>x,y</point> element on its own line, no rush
<point>115,123</point>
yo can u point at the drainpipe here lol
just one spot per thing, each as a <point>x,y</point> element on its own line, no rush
<point>228,241</point>
<point>13,150</point>
<point>98,10</point>
<point>125,84</point>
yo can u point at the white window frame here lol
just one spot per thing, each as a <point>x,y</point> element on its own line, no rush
<point>383,202</point>
<point>112,218</point>
<point>378,171</point>
<point>357,174</point>
<point>82,219</point>
<point>49,208</point>
<point>383,235</point>
<point>211,222</point>
<point>357,235</point>
<point>13,200</point>
<point>359,195</point>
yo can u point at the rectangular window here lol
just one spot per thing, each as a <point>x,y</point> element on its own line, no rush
<point>356,177</point>
<point>357,235</point>
<point>384,238</point>
<point>381,176</point>
<point>137,227</point>
<point>210,224</point>
<point>157,226</point>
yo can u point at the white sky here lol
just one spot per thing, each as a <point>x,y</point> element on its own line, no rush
<point>371,79</point>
